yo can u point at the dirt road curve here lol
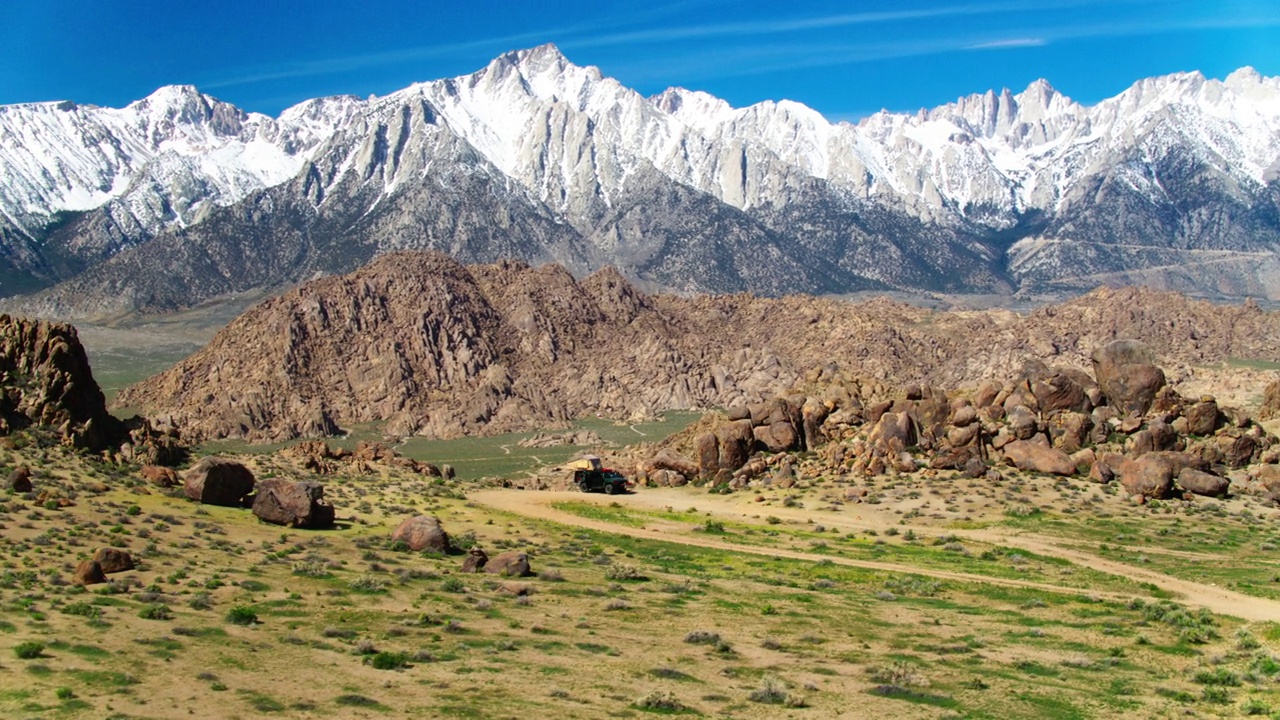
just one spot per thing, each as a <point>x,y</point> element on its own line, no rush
<point>536,504</point>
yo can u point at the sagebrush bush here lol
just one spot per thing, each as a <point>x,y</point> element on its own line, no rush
<point>156,611</point>
<point>28,650</point>
<point>623,572</point>
<point>242,615</point>
<point>661,700</point>
<point>702,637</point>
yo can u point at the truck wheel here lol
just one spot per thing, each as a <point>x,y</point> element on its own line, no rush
<point>610,488</point>
<point>584,487</point>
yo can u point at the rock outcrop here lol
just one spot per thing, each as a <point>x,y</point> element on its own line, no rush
<point>218,481</point>
<point>1051,421</point>
<point>475,561</point>
<point>511,563</point>
<point>19,480</point>
<point>295,504</point>
<point>1035,457</point>
<point>433,348</point>
<point>113,560</point>
<point>1127,375</point>
<point>89,572</point>
<point>422,533</point>
<point>45,380</point>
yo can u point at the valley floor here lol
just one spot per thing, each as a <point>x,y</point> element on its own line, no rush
<point>901,597</point>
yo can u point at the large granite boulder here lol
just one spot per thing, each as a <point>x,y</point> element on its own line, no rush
<point>296,504</point>
<point>1203,483</point>
<point>421,533</point>
<point>1127,374</point>
<point>736,442</point>
<point>1032,456</point>
<point>1059,392</point>
<point>89,572</point>
<point>1203,418</point>
<point>160,476</point>
<point>1150,476</point>
<point>475,561</point>
<point>20,480</point>
<point>511,563</point>
<point>706,447</point>
<point>777,437</point>
<point>895,428</point>
<point>218,481</point>
<point>113,560</point>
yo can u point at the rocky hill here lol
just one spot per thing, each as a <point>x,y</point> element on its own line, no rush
<point>432,347</point>
<point>179,198</point>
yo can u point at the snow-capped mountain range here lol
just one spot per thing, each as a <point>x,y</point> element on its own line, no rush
<point>1172,183</point>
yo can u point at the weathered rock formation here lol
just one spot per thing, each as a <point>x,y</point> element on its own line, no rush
<point>89,572</point>
<point>113,560</point>
<point>422,533</point>
<point>511,563</point>
<point>1127,375</point>
<point>45,380</point>
<point>295,504</point>
<point>475,561</point>
<point>430,347</point>
<point>367,458</point>
<point>218,481</point>
<point>1050,421</point>
<point>20,480</point>
<point>160,476</point>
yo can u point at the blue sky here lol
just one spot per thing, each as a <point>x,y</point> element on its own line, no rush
<point>845,59</point>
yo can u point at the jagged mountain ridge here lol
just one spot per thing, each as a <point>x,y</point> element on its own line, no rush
<point>429,346</point>
<point>1171,183</point>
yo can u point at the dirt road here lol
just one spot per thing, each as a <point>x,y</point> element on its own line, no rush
<point>537,504</point>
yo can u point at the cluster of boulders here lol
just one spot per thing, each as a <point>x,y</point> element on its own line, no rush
<point>581,438</point>
<point>1122,423</point>
<point>722,452</point>
<point>105,561</point>
<point>425,533</point>
<point>321,459</point>
<point>219,481</point>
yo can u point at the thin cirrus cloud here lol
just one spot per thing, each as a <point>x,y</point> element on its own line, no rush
<point>612,34</point>
<point>775,27</point>
<point>739,48</point>
<point>1010,43</point>
<point>765,57</point>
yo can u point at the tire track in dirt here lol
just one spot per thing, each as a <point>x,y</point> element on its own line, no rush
<point>537,504</point>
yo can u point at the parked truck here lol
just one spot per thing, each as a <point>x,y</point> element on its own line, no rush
<point>590,475</point>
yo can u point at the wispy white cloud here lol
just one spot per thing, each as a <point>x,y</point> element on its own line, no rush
<point>780,26</point>
<point>614,32</point>
<point>738,48</point>
<point>348,63</point>
<point>1010,43</point>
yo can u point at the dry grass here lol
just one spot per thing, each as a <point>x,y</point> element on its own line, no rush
<point>603,631</point>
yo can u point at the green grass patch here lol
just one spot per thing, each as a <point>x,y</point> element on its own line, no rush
<point>261,701</point>
<point>103,678</point>
<point>359,701</point>
<point>602,513</point>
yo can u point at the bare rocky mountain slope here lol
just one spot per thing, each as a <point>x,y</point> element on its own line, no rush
<point>436,348</point>
<point>180,198</point>
<point>46,384</point>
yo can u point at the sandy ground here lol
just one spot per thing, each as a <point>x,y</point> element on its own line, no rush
<point>739,508</point>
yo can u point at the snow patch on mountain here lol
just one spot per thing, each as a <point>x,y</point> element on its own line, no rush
<point>578,141</point>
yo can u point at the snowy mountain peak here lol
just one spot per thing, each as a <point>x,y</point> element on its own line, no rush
<point>692,108</point>
<point>170,109</point>
<point>577,142</point>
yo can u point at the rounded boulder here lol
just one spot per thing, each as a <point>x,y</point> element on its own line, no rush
<point>421,533</point>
